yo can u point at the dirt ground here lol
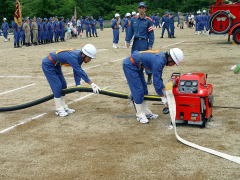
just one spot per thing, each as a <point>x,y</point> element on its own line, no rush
<point>103,140</point>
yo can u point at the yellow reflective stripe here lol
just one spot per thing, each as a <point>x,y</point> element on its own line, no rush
<point>115,92</point>
<point>155,97</point>
<point>148,96</point>
<point>62,50</point>
<point>150,51</point>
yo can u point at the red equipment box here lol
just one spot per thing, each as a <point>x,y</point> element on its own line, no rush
<point>194,99</point>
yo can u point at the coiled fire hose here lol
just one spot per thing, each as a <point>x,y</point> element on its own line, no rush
<point>75,89</point>
<point>172,109</point>
<point>225,13</point>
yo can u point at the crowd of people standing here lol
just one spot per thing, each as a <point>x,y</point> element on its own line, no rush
<point>37,31</point>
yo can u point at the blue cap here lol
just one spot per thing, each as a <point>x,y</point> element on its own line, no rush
<point>142,4</point>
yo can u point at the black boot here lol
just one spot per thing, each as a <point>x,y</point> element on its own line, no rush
<point>15,45</point>
<point>162,36</point>
<point>18,45</point>
<point>149,80</point>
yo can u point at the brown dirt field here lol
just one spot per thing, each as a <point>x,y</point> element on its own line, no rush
<point>98,142</point>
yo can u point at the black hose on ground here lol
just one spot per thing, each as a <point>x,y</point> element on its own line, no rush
<point>75,89</point>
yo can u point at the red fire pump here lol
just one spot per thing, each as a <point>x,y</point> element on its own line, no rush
<point>225,19</point>
<point>194,99</point>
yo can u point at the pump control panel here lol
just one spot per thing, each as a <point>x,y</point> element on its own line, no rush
<point>188,86</point>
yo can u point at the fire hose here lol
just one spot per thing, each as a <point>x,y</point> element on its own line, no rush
<point>172,109</point>
<point>171,105</point>
<point>227,14</point>
<point>75,89</point>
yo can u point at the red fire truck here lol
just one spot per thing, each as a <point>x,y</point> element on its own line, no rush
<point>225,19</point>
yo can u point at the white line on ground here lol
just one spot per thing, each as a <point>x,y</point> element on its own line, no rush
<point>93,66</point>
<point>6,92</point>
<point>100,50</point>
<point>173,44</point>
<point>41,115</point>
<point>98,65</point>
<point>26,77</point>
<point>16,76</point>
<point>22,122</point>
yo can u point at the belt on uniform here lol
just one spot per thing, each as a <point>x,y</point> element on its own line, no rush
<point>51,59</point>
<point>133,62</point>
<point>138,38</point>
<point>138,65</point>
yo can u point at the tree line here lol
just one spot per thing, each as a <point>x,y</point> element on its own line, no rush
<point>96,8</point>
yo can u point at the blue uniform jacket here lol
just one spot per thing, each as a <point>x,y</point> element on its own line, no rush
<point>5,26</point>
<point>100,20</point>
<point>154,61</point>
<point>115,24</point>
<point>165,19</point>
<point>72,58</point>
<point>141,28</point>
<point>15,27</point>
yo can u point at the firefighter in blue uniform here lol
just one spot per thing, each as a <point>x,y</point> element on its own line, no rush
<point>50,30</point>
<point>87,26</point>
<point>40,25</point>
<point>81,24</point>
<point>165,24</point>
<point>115,28</point>
<point>51,66</point>
<point>56,30</point>
<point>142,31</point>
<point>22,34</point>
<point>127,25</point>
<point>100,20</point>
<point>62,29</point>
<point>171,25</point>
<point>157,21</point>
<point>5,28</point>
<point>155,61</point>
<point>16,33</point>
<point>93,23</point>
<point>45,31</point>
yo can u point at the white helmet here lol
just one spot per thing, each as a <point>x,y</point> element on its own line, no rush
<point>177,55</point>
<point>117,15</point>
<point>204,11</point>
<point>89,50</point>
<point>128,14</point>
<point>137,14</point>
<point>198,12</point>
<point>4,19</point>
<point>133,13</point>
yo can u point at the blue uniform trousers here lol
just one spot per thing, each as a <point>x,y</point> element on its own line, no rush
<point>115,36</point>
<point>171,28</point>
<point>94,30</point>
<point>101,26</point>
<point>163,29</point>
<point>22,36</point>
<point>54,76</point>
<point>5,34</point>
<point>136,81</point>
<point>16,36</point>
<point>88,31</point>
